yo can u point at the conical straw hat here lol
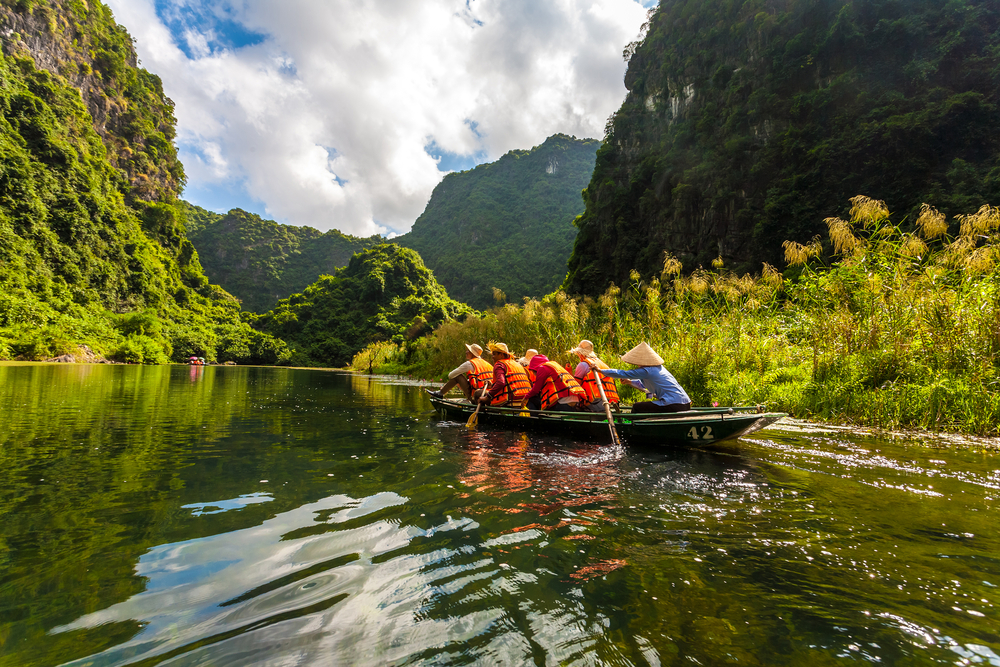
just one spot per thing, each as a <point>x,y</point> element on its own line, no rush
<point>642,355</point>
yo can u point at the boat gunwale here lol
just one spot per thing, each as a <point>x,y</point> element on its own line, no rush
<point>648,419</point>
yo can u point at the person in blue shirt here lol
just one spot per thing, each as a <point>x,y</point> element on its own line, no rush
<point>666,393</point>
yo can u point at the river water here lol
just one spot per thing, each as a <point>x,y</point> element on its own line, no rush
<point>254,516</point>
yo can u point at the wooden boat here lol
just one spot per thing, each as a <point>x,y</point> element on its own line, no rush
<point>694,428</point>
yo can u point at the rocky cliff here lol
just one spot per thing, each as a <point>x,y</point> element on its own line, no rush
<point>81,43</point>
<point>748,123</point>
<point>93,249</point>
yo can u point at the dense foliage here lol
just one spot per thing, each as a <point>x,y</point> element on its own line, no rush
<point>749,121</point>
<point>384,293</point>
<point>81,42</point>
<point>506,225</point>
<point>260,261</point>
<point>85,260</point>
<point>896,329</point>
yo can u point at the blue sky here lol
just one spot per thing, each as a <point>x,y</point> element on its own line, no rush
<point>346,115</point>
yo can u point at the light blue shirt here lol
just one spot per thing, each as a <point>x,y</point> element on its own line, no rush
<point>655,379</point>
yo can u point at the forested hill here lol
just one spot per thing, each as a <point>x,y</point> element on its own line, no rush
<point>385,293</point>
<point>748,123</point>
<point>260,261</point>
<point>506,224</point>
<point>93,248</point>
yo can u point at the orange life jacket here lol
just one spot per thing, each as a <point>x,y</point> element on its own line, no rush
<point>518,385</point>
<point>480,374</point>
<point>589,382</point>
<point>562,385</point>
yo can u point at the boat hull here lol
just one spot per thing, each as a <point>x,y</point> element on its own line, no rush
<point>694,428</point>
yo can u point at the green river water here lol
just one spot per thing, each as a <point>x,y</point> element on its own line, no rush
<point>228,516</point>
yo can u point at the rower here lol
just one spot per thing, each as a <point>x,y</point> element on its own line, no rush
<point>470,377</point>
<point>510,381</point>
<point>554,388</point>
<point>585,375</point>
<point>667,394</point>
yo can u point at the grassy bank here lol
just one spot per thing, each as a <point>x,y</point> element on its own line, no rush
<point>873,325</point>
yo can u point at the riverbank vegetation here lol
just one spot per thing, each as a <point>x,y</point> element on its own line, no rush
<point>94,258</point>
<point>879,323</point>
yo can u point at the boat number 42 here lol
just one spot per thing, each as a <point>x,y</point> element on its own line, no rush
<point>706,433</point>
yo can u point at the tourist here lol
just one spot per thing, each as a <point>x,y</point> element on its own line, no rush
<point>525,361</point>
<point>667,394</point>
<point>510,380</point>
<point>585,375</point>
<point>471,377</point>
<point>554,388</point>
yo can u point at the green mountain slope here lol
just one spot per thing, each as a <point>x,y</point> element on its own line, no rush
<point>748,123</point>
<point>507,224</point>
<point>384,293</point>
<point>260,261</point>
<point>92,241</point>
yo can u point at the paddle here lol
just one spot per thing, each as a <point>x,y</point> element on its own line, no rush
<point>474,419</point>
<point>607,406</point>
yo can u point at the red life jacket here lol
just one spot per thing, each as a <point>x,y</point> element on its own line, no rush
<point>518,385</point>
<point>589,382</point>
<point>480,374</point>
<point>562,385</point>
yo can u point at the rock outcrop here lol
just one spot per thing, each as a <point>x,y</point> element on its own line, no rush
<point>749,123</point>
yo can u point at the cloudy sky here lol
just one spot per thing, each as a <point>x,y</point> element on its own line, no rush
<point>344,114</point>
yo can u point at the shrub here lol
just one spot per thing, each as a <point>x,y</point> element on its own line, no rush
<point>140,349</point>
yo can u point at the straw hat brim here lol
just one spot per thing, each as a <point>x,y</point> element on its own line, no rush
<point>642,355</point>
<point>499,347</point>
<point>473,352</point>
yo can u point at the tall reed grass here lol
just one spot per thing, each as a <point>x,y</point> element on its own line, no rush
<point>880,324</point>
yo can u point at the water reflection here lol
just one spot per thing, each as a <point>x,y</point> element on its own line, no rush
<point>274,516</point>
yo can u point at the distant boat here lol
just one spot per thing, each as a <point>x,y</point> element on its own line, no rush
<point>693,428</point>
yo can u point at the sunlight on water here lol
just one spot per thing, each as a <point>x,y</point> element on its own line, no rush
<point>241,516</point>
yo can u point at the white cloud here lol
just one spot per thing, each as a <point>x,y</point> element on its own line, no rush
<point>327,117</point>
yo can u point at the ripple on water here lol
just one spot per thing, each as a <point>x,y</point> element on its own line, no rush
<point>384,536</point>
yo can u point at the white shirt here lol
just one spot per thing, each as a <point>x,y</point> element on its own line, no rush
<point>467,367</point>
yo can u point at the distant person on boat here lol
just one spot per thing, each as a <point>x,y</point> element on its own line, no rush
<point>471,377</point>
<point>584,373</point>
<point>554,388</point>
<point>668,396</point>
<point>510,381</point>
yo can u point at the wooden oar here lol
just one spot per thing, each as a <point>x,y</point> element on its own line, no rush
<point>607,406</point>
<point>474,419</point>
